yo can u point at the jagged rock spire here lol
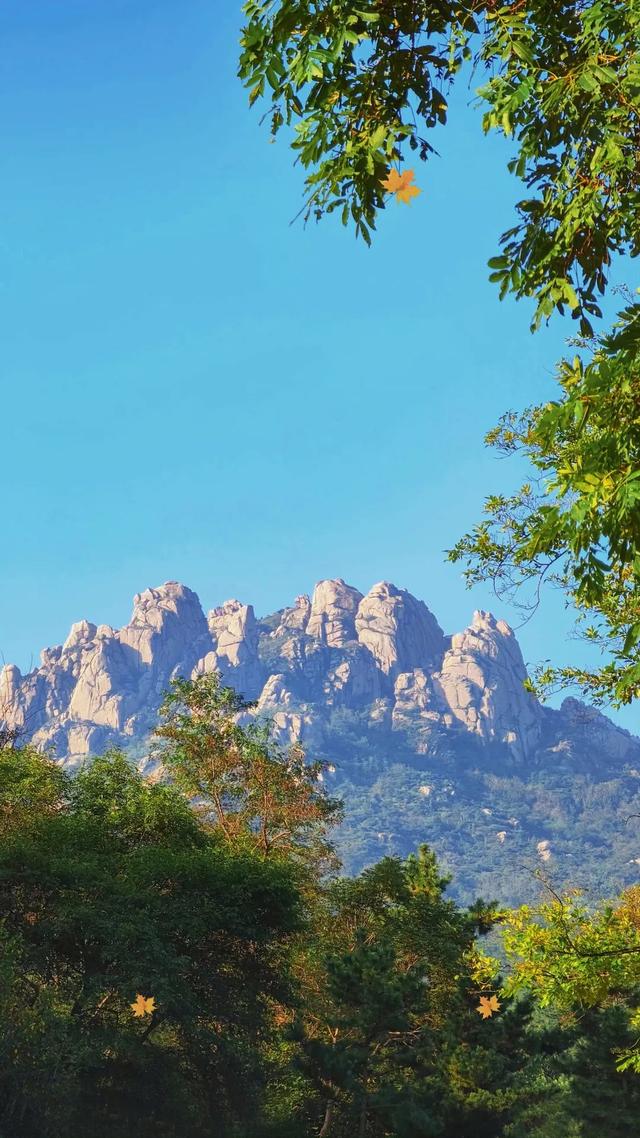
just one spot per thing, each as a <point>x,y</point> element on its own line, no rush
<point>382,654</point>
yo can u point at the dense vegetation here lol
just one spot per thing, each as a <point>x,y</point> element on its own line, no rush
<point>181,957</point>
<point>483,811</point>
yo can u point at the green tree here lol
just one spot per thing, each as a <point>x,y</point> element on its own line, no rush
<point>248,787</point>
<point>360,86</point>
<point>583,963</point>
<point>609,1103</point>
<point>30,785</point>
<point>279,1010</point>
<point>388,997</point>
<point>576,522</point>
<point>121,891</point>
<point>570,1088</point>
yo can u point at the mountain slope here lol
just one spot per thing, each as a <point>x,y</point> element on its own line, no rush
<point>432,737</point>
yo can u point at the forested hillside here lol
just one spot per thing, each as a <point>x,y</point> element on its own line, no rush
<point>428,737</point>
<point>183,957</point>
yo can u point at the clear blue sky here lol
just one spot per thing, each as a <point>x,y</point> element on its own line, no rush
<point>193,389</point>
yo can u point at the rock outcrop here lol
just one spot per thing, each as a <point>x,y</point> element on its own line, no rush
<point>382,656</point>
<point>234,630</point>
<point>481,683</point>
<point>398,630</point>
<point>332,619</point>
<point>104,686</point>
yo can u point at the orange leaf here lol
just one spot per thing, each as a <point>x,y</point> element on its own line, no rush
<point>396,181</point>
<point>400,184</point>
<point>487,1006</point>
<point>143,1005</point>
<point>406,193</point>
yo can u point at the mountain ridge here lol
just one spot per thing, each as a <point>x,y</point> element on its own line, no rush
<point>430,736</point>
<point>340,647</point>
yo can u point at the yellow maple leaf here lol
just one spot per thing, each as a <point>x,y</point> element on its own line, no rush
<point>143,1005</point>
<point>407,193</point>
<point>400,184</point>
<point>487,1006</point>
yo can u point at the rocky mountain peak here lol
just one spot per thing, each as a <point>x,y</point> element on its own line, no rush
<point>104,685</point>
<point>399,631</point>
<point>333,612</point>
<point>295,618</point>
<point>381,655</point>
<point>166,626</point>
<point>579,725</point>
<point>166,606</point>
<point>234,650</point>
<point>481,680</point>
<point>10,677</point>
<point>81,633</point>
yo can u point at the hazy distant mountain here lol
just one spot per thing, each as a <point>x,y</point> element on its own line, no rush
<point>432,737</point>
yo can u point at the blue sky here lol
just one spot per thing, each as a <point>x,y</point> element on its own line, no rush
<point>192,388</point>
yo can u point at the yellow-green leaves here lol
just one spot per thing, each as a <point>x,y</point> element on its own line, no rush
<point>571,957</point>
<point>355,85</point>
<point>577,521</point>
<point>366,83</point>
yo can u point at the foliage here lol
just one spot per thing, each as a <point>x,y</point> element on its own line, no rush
<point>159,972</point>
<point>565,87</point>
<point>121,891</point>
<point>460,796</point>
<point>577,523</point>
<point>575,959</point>
<point>248,787</point>
<point>360,85</point>
<point>394,981</point>
<point>561,81</point>
<point>570,1088</point>
<point>346,79</point>
<point>29,786</point>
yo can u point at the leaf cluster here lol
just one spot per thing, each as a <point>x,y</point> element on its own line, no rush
<point>247,786</point>
<point>354,84</point>
<point>577,522</point>
<point>358,86</point>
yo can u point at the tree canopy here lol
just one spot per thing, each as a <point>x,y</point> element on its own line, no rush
<point>120,893</point>
<point>361,89</point>
<point>184,965</point>
<point>252,789</point>
<point>156,974</point>
<point>576,522</point>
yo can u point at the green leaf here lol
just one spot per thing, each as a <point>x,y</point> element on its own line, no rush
<point>632,638</point>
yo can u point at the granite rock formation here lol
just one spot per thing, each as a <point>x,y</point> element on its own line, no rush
<point>382,655</point>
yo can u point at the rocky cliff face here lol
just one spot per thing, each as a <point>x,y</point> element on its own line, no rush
<point>481,680</point>
<point>382,655</point>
